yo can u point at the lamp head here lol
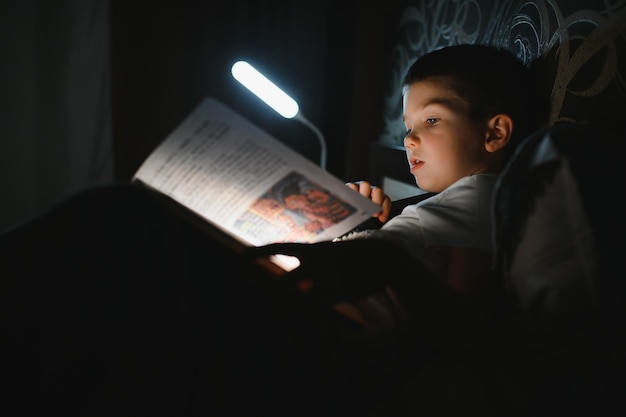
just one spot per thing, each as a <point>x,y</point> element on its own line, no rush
<point>266,90</point>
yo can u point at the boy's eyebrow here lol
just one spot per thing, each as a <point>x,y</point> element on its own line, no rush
<point>444,101</point>
<point>439,100</point>
<point>453,104</point>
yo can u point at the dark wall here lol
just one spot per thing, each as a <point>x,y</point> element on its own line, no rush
<point>330,56</point>
<point>579,44</point>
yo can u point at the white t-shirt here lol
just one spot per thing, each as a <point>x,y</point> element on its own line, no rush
<point>460,215</point>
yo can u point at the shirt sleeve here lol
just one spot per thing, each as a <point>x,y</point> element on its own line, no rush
<point>458,216</point>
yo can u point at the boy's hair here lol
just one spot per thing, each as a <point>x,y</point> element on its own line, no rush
<point>492,80</point>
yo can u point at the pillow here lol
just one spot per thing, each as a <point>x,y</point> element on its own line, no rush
<point>558,220</point>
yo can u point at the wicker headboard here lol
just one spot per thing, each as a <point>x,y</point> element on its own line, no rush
<point>582,45</point>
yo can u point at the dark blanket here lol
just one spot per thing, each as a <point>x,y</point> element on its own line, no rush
<point>112,305</point>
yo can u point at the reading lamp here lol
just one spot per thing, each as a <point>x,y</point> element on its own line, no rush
<point>276,98</point>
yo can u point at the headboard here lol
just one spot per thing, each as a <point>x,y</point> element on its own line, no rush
<point>582,46</point>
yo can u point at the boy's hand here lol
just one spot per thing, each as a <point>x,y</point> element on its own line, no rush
<point>376,194</point>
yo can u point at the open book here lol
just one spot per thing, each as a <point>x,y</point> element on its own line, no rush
<point>249,185</point>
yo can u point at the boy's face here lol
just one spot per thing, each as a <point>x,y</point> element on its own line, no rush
<point>443,144</point>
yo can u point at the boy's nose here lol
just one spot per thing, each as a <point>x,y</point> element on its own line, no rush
<point>410,142</point>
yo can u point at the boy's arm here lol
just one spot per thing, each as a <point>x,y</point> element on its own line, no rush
<point>332,272</point>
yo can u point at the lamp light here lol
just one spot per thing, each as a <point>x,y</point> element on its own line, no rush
<point>276,98</point>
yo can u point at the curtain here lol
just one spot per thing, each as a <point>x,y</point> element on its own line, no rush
<point>55,129</point>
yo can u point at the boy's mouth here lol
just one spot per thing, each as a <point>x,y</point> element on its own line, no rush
<point>415,164</point>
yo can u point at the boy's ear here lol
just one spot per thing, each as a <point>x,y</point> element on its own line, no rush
<point>499,130</point>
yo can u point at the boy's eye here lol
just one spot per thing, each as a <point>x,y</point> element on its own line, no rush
<point>431,121</point>
<point>408,128</point>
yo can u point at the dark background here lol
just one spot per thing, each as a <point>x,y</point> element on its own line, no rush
<point>329,56</point>
<point>88,88</point>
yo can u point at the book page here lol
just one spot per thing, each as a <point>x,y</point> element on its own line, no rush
<point>249,184</point>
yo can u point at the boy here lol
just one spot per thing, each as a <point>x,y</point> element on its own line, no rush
<point>466,108</point>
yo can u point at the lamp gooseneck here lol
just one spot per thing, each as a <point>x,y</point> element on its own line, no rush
<point>276,98</point>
